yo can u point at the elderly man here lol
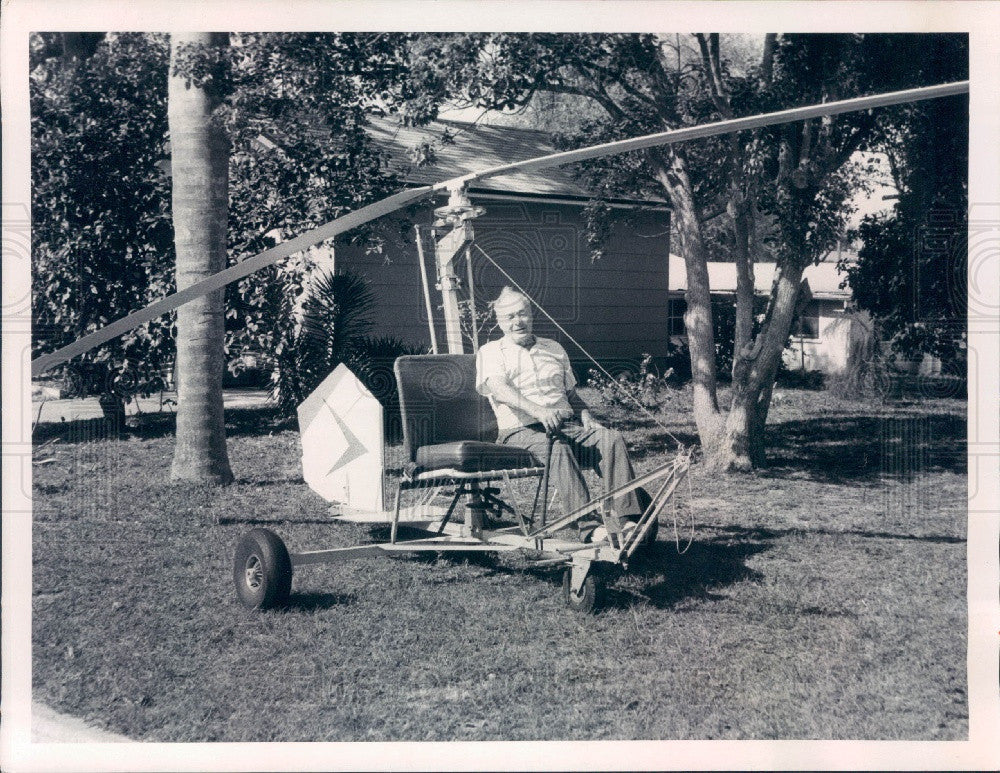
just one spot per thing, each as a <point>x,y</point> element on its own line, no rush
<point>532,389</point>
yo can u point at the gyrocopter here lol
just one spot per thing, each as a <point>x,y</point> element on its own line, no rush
<point>451,453</point>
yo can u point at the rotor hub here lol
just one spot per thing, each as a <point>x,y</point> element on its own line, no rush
<point>458,209</point>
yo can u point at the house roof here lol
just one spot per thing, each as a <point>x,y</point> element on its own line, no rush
<point>476,147</point>
<point>823,278</point>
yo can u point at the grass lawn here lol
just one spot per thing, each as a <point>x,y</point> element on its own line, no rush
<point>824,598</point>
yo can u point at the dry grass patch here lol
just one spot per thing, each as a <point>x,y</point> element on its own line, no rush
<point>822,598</point>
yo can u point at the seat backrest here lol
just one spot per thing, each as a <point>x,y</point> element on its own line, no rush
<point>439,402</point>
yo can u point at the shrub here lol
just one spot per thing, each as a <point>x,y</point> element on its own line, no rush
<point>678,362</point>
<point>800,379</point>
<point>372,360</point>
<point>641,384</point>
<point>336,319</point>
<point>336,314</point>
<point>474,322</point>
<point>866,376</point>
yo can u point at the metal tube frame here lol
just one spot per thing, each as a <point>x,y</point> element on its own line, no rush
<point>554,550</point>
<point>427,289</point>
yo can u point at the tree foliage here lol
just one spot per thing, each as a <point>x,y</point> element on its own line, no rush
<point>293,106</point>
<point>295,113</point>
<point>912,263</point>
<point>102,242</point>
<point>336,314</point>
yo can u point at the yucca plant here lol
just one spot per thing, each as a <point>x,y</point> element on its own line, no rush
<point>372,360</point>
<point>334,327</point>
<point>335,316</point>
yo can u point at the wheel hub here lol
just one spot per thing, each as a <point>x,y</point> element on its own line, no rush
<point>254,572</point>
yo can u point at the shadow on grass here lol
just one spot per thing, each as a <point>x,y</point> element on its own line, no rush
<point>265,482</point>
<point>660,444</point>
<point>313,602</point>
<point>840,448</point>
<point>846,449</point>
<point>772,534</point>
<point>664,577</point>
<point>227,521</point>
<point>240,422</point>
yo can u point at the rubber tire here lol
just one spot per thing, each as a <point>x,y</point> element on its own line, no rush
<point>274,579</point>
<point>587,602</point>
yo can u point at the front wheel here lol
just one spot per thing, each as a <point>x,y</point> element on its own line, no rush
<point>586,600</point>
<point>262,570</point>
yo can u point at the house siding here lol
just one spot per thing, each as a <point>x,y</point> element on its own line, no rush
<point>828,351</point>
<point>615,307</point>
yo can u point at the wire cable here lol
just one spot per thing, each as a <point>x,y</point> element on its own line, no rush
<point>673,502</point>
<point>600,367</point>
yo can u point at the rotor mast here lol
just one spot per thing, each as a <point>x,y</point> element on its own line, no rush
<point>457,213</point>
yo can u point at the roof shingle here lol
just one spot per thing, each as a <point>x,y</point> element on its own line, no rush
<point>476,147</point>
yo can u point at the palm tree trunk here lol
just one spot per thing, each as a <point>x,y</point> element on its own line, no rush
<point>200,171</point>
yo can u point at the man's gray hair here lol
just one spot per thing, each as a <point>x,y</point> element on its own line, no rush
<point>509,296</point>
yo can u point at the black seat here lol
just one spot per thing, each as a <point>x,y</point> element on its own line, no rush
<point>447,424</point>
<point>471,456</point>
<point>449,436</point>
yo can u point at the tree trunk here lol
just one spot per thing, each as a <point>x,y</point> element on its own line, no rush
<point>743,225</point>
<point>113,408</point>
<point>742,446</point>
<point>673,176</point>
<point>78,46</point>
<point>199,166</point>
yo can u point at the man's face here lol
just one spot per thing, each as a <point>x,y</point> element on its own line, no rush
<point>515,321</point>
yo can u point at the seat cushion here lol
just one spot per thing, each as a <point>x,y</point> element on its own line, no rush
<point>472,456</point>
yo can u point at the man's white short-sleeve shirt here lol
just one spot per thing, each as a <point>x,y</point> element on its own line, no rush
<point>542,374</point>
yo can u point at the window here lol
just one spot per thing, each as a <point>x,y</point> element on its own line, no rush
<point>675,312</point>
<point>807,325</point>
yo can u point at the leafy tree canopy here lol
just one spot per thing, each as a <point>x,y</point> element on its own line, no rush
<point>643,83</point>
<point>102,243</point>
<point>911,268</point>
<point>293,106</point>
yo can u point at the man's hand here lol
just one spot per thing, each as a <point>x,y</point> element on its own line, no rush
<point>552,418</point>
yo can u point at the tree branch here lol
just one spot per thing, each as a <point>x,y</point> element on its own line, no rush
<point>719,208</point>
<point>865,127</point>
<point>767,60</point>
<point>601,96</point>
<point>713,71</point>
<point>619,80</point>
<point>667,81</point>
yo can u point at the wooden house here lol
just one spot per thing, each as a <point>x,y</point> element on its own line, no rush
<point>825,326</point>
<point>533,225</point>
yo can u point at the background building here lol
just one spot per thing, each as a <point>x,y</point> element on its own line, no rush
<point>822,333</point>
<point>533,226</point>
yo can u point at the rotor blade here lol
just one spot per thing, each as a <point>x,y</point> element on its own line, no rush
<point>392,203</point>
<point>231,274</point>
